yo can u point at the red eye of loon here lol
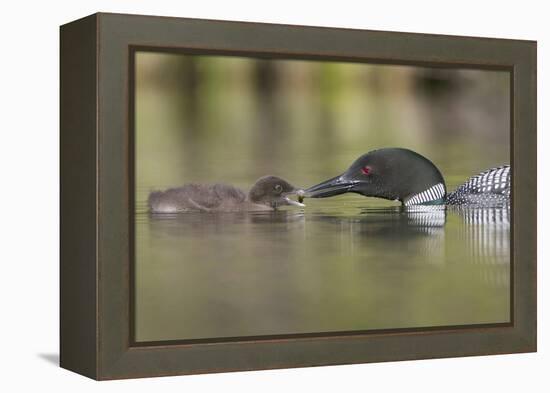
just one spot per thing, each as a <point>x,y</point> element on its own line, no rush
<point>366,170</point>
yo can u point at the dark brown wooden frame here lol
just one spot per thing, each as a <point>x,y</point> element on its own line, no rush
<point>97,195</point>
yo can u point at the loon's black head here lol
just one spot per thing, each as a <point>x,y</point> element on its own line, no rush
<point>391,173</point>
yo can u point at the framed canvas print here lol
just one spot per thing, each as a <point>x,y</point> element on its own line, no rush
<point>241,196</point>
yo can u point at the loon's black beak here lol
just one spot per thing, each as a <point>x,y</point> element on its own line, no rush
<point>331,187</point>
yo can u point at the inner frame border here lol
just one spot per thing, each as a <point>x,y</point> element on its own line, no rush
<point>267,55</point>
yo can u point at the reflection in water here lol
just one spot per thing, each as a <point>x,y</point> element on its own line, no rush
<point>331,269</point>
<point>485,234</point>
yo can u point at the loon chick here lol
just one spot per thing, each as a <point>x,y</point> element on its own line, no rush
<point>406,176</point>
<point>268,193</point>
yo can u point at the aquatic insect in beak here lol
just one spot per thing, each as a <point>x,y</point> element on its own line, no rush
<point>301,194</point>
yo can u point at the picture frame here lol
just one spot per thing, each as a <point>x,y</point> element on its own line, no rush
<point>97,187</point>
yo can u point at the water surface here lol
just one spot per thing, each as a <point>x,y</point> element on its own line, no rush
<point>334,266</point>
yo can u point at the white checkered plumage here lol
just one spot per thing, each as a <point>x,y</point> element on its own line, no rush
<point>489,188</point>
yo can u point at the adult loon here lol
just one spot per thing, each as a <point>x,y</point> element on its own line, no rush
<point>406,176</point>
<point>268,193</point>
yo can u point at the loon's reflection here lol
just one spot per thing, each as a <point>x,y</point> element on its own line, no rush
<point>181,223</point>
<point>485,234</point>
<point>478,236</point>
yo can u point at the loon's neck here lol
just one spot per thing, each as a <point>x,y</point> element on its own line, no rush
<point>433,195</point>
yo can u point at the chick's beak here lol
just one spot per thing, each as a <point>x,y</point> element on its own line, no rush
<point>292,202</point>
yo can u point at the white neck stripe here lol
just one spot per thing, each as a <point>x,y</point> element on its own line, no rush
<point>431,194</point>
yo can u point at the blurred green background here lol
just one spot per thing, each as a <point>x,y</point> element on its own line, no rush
<point>214,118</point>
<point>343,263</point>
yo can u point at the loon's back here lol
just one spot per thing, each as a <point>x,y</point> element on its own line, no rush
<point>197,197</point>
<point>490,188</point>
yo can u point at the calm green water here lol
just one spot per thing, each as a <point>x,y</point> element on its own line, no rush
<point>335,266</point>
<point>343,263</point>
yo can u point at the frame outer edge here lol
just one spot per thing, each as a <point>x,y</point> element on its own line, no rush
<point>78,197</point>
<point>527,139</point>
<point>117,358</point>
